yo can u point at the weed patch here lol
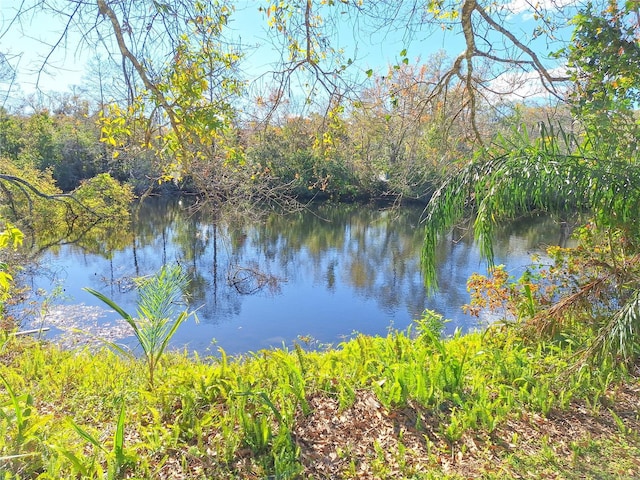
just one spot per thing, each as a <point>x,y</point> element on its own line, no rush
<point>408,405</point>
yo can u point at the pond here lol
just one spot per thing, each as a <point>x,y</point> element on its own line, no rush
<point>316,276</point>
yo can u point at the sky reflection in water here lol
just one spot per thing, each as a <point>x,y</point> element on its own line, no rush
<point>323,274</point>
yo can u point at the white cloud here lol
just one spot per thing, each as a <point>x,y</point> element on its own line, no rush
<point>528,7</point>
<point>522,85</point>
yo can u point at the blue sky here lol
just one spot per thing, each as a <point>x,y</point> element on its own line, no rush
<point>66,65</point>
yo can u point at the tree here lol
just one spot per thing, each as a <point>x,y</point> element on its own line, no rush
<point>604,65</point>
<point>492,51</point>
<point>192,93</point>
<point>61,136</point>
<point>30,200</point>
<point>563,173</point>
<point>562,179</point>
<point>180,76</point>
<point>313,62</point>
<point>11,135</point>
<point>408,131</point>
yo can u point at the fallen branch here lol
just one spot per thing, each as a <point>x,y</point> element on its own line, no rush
<point>30,332</point>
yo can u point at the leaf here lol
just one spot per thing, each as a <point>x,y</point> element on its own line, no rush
<point>77,464</point>
<point>109,302</point>
<point>86,435</point>
<point>118,438</point>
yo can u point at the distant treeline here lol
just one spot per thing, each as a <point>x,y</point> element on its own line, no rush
<point>370,150</point>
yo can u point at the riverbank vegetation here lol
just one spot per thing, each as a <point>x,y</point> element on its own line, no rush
<point>552,391</point>
<point>411,405</point>
<point>370,152</point>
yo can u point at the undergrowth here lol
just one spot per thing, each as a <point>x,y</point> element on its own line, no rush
<point>481,398</point>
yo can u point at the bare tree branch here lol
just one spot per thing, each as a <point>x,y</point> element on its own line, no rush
<point>57,43</point>
<point>547,79</point>
<point>26,187</point>
<point>140,69</point>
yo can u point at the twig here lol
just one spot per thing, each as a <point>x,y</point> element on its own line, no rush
<point>30,332</point>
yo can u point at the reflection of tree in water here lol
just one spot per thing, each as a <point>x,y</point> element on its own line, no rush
<point>514,245</point>
<point>208,290</point>
<point>250,279</point>
<point>374,252</point>
<point>370,251</point>
<point>165,232</point>
<point>532,231</point>
<point>343,251</point>
<point>384,260</point>
<point>330,276</point>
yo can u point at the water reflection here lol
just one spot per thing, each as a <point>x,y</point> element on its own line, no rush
<point>323,273</point>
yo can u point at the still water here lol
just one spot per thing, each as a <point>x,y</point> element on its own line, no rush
<point>319,275</point>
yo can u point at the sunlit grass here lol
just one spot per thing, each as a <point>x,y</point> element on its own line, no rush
<point>487,399</point>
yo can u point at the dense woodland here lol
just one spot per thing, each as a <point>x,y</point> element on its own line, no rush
<point>170,108</point>
<point>402,152</point>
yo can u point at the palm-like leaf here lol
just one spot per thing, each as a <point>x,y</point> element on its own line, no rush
<point>158,299</point>
<point>128,318</point>
<point>531,179</point>
<point>622,332</point>
<point>545,177</point>
<point>160,295</point>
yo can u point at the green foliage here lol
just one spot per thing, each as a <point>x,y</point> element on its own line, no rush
<point>10,237</point>
<point>105,197</point>
<point>431,324</point>
<point>241,418</point>
<point>406,132</point>
<point>65,143</point>
<point>295,155</point>
<point>116,458</point>
<point>18,412</point>
<point>91,215</point>
<point>184,118</point>
<point>156,322</point>
<point>187,131</point>
<point>39,148</point>
<point>80,156</point>
<point>593,285</point>
<point>555,176</point>
<point>11,135</point>
<point>604,63</point>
